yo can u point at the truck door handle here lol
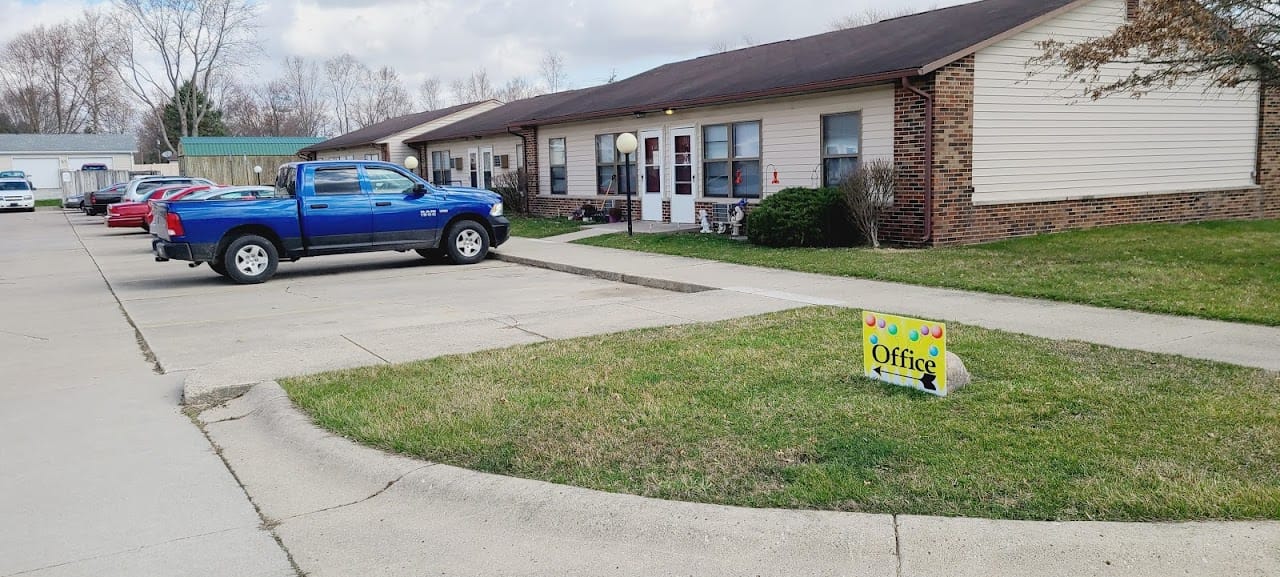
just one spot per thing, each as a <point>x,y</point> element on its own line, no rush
<point>319,206</point>
<point>382,203</point>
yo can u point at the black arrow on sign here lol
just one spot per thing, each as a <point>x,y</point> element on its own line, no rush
<point>926,379</point>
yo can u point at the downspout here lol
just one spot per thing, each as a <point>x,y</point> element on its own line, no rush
<point>524,149</point>
<point>928,157</point>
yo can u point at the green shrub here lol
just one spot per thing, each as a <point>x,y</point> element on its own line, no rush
<point>802,217</point>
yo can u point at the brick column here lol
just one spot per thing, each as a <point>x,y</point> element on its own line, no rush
<point>1269,152</point>
<point>952,91</point>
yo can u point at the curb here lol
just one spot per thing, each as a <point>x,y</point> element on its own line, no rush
<point>644,281</point>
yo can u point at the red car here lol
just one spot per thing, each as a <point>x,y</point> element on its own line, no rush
<point>179,193</point>
<point>133,214</point>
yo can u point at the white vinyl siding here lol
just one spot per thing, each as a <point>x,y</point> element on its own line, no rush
<point>503,144</point>
<point>1036,139</point>
<point>349,153</point>
<point>399,150</point>
<point>791,135</point>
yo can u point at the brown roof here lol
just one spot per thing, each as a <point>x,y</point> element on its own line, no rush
<point>879,52</point>
<point>374,132</point>
<point>498,120</point>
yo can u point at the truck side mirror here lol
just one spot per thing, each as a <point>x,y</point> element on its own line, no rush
<point>419,189</point>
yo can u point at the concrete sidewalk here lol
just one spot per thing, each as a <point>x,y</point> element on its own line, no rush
<point>101,472</point>
<point>344,509</point>
<point>1241,344</point>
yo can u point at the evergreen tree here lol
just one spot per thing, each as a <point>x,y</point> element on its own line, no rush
<point>210,125</point>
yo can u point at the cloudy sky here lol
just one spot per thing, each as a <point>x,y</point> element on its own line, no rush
<point>451,38</point>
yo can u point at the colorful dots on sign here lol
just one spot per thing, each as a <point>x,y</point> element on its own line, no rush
<point>875,340</point>
<point>933,351</point>
<point>914,336</point>
<point>893,329</point>
<point>880,323</point>
<point>871,320</point>
<point>937,332</point>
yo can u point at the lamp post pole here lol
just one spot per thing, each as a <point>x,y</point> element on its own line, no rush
<point>627,144</point>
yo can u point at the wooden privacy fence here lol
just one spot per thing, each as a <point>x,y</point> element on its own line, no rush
<point>81,182</point>
<point>234,170</point>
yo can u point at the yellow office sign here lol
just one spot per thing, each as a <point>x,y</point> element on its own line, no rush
<point>904,351</point>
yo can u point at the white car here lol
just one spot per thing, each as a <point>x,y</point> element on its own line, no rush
<point>16,193</point>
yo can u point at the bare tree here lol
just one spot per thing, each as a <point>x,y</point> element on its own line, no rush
<point>302,84</point>
<point>59,79</point>
<point>344,74</point>
<point>1228,42</point>
<point>380,96</point>
<point>552,71</point>
<point>429,97</point>
<point>171,43</point>
<point>873,15</point>
<point>517,89</point>
<point>868,193</point>
<point>474,88</point>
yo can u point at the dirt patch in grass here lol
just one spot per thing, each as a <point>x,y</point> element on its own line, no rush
<point>772,411</point>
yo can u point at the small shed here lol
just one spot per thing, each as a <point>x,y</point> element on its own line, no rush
<point>44,156</point>
<point>230,160</point>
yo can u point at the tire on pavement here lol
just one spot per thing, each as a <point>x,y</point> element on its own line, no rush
<point>467,242</point>
<point>250,259</point>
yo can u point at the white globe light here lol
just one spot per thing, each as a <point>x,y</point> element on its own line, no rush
<point>627,143</point>
<point>411,163</point>
<point>257,170</point>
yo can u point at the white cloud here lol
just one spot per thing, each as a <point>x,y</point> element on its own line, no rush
<point>450,39</point>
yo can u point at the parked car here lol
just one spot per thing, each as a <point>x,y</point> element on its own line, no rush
<point>96,202</point>
<point>16,193</point>
<point>235,193</point>
<point>133,214</point>
<point>18,174</point>
<point>331,207</point>
<point>139,187</point>
<point>179,194</point>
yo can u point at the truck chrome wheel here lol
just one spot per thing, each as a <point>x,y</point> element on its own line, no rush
<point>252,260</point>
<point>469,243</point>
<point>249,259</point>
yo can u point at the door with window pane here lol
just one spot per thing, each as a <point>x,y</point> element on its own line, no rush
<point>486,167</point>
<point>473,166</point>
<point>339,216</point>
<point>683,177</point>
<point>651,181</point>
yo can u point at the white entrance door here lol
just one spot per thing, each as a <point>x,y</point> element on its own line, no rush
<point>473,167</point>
<point>486,167</point>
<point>684,177</point>
<point>651,177</point>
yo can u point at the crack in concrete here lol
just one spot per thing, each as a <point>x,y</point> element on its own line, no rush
<point>897,545</point>
<point>25,336</point>
<point>515,324</point>
<point>266,524</point>
<point>363,348</point>
<point>375,494</point>
<point>123,551</point>
<point>147,353</point>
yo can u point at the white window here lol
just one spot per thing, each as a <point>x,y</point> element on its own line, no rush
<point>841,146</point>
<point>731,160</point>
<point>559,170</point>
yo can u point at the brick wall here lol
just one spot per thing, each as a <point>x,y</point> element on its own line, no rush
<point>957,221</point>
<point>1269,153</point>
<point>563,206</point>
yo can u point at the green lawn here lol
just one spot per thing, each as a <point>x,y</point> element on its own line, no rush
<point>772,412</point>
<point>537,227</point>
<point>54,202</point>
<point>1219,270</point>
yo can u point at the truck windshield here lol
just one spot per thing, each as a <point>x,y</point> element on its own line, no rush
<point>14,186</point>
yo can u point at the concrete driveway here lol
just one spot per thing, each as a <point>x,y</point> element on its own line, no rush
<point>360,310</point>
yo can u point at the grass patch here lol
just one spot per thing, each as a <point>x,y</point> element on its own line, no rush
<point>49,202</point>
<point>767,412</point>
<point>1219,270</point>
<point>538,227</point>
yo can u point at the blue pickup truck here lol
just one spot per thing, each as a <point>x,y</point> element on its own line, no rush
<point>330,207</point>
